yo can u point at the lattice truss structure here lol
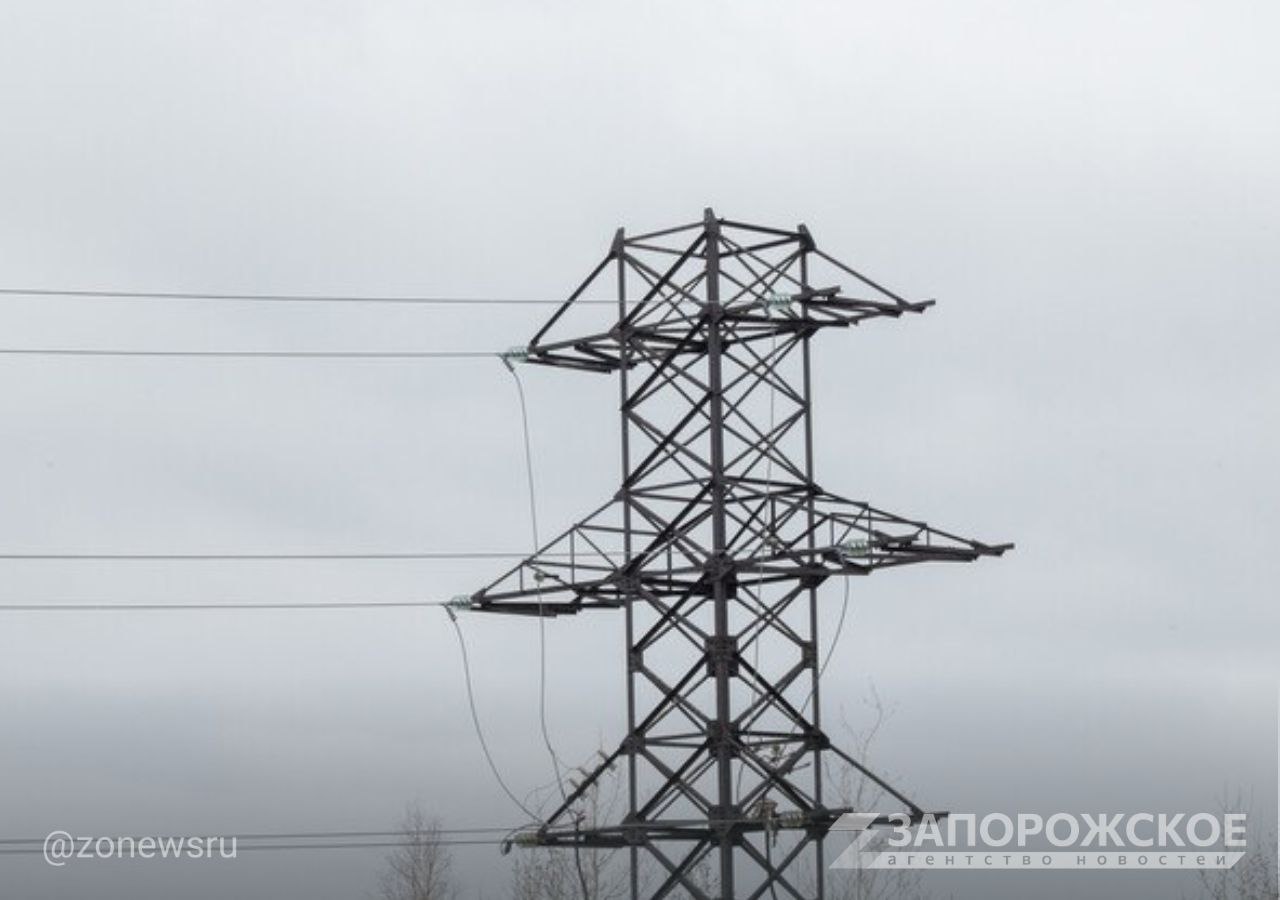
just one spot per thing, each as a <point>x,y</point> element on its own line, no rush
<point>713,549</point>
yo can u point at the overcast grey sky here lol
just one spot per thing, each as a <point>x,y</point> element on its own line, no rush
<point>1089,189</point>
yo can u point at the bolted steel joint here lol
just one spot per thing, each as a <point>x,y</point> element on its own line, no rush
<point>722,655</point>
<point>724,819</point>
<point>725,736</point>
<point>719,564</point>
<point>809,653</point>
<point>628,583</point>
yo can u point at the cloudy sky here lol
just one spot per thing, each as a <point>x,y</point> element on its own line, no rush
<point>1089,189</point>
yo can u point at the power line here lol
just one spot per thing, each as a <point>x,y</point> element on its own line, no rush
<point>835,638</point>
<point>252,354</point>
<point>294,835</point>
<point>103,294</point>
<point>58,606</point>
<point>345,845</point>
<point>542,619</point>
<point>261,557</point>
<point>831,648</point>
<point>475,718</point>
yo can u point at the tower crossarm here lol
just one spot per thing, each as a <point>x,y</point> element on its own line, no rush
<point>765,295</point>
<point>587,568</point>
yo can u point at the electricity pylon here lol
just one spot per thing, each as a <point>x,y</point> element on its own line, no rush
<point>714,548</point>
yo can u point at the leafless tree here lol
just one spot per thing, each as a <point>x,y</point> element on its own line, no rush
<point>420,869</point>
<point>1254,877</point>
<point>584,874</point>
<point>854,790</point>
<point>700,876</point>
<point>544,875</point>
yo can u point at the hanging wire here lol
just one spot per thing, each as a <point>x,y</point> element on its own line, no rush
<point>768,489</point>
<point>475,718</point>
<point>831,648</point>
<point>542,626</point>
<point>835,638</point>
<point>542,619</point>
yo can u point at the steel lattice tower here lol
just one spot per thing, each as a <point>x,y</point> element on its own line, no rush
<point>713,549</point>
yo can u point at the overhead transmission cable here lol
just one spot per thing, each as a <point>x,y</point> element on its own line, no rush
<point>262,557</point>
<point>104,294</point>
<point>248,354</point>
<point>76,606</point>
<point>289,835</point>
<point>311,354</point>
<point>340,845</point>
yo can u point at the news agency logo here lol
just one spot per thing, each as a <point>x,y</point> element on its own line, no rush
<point>60,847</point>
<point>1028,841</point>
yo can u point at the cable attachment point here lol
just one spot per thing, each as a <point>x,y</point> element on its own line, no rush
<point>514,355</point>
<point>855,549</point>
<point>525,839</point>
<point>792,819</point>
<point>461,601</point>
<point>772,300</point>
<point>767,812</point>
